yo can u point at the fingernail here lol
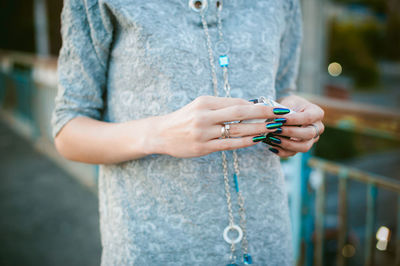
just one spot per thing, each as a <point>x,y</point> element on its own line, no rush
<point>254,100</point>
<point>273,125</point>
<point>281,111</point>
<point>278,131</point>
<point>281,120</point>
<point>270,143</point>
<point>259,138</point>
<point>275,140</point>
<point>266,141</point>
<point>274,150</point>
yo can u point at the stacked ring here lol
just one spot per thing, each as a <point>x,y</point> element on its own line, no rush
<point>316,130</point>
<point>225,131</point>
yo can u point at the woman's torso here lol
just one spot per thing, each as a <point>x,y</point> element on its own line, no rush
<point>161,210</point>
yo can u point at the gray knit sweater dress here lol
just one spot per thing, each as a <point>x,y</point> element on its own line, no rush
<point>130,59</point>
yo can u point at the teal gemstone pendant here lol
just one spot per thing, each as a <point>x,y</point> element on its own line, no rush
<point>223,61</point>
<point>235,179</point>
<point>247,259</point>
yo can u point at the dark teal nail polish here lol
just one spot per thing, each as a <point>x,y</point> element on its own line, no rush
<point>275,140</point>
<point>270,143</point>
<point>273,125</point>
<point>266,141</point>
<point>281,111</point>
<point>254,100</point>
<point>273,150</point>
<point>259,138</point>
<point>281,120</point>
<point>278,131</point>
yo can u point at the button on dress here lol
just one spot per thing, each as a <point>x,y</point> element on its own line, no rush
<point>129,59</point>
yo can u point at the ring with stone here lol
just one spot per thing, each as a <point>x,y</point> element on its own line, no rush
<point>316,131</point>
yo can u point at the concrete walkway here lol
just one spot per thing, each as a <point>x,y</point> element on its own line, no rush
<point>47,218</point>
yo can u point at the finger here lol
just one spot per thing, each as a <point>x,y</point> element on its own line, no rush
<point>215,103</point>
<point>303,133</point>
<point>243,112</point>
<point>318,128</point>
<point>311,114</point>
<point>281,152</point>
<point>321,127</point>
<point>229,144</point>
<point>290,145</point>
<point>243,130</point>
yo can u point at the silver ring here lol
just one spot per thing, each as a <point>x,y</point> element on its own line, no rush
<point>198,5</point>
<point>316,131</point>
<point>225,131</point>
<point>236,228</point>
<point>222,47</point>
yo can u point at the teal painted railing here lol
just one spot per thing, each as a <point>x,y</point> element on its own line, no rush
<point>373,183</point>
<point>28,86</point>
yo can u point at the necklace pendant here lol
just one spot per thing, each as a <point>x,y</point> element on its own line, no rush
<point>223,61</point>
<point>222,47</point>
<point>236,228</point>
<point>235,180</point>
<point>247,259</point>
<point>198,5</point>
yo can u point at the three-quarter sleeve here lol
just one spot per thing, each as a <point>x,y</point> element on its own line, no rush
<point>82,65</point>
<point>285,82</point>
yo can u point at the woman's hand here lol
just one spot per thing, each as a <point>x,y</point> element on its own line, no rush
<point>195,129</point>
<point>192,131</point>
<point>301,130</point>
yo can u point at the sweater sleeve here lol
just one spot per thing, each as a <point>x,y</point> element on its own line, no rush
<point>83,61</point>
<point>286,76</point>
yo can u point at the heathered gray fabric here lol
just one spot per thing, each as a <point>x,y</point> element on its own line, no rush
<point>124,60</point>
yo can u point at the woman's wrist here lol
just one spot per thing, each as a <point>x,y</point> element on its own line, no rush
<point>144,136</point>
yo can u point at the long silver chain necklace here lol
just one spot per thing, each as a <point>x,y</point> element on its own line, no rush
<point>223,49</point>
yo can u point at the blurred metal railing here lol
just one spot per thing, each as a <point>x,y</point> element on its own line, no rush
<point>366,119</point>
<point>373,182</point>
<point>28,86</point>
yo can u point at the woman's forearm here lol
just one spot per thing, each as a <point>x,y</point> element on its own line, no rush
<point>192,131</point>
<point>88,140</point>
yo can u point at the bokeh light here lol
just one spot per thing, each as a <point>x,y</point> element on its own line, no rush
<point>334,69</point>
<point>382,235</point>
<point>348,251</point>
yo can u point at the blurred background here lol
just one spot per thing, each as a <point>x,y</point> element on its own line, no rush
<point>344,194</point>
